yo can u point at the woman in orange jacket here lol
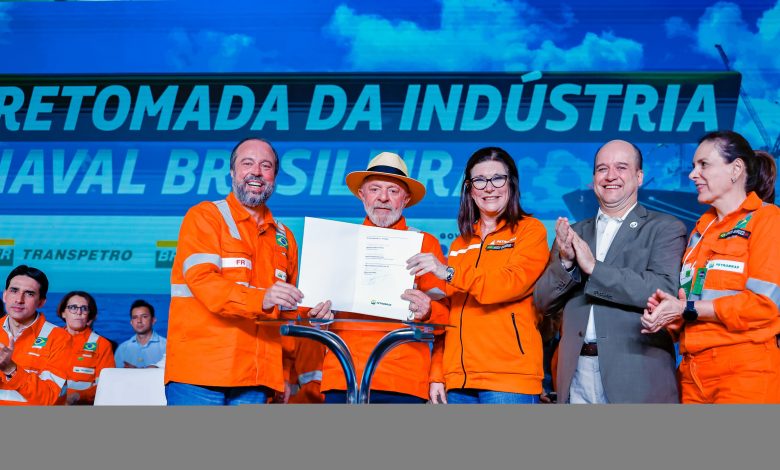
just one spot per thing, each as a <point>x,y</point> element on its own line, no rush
<point>727,308</point>
<point>90,352</point>
<point>493,352</point>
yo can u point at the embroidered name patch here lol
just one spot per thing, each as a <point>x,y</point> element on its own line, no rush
<point>735,232</point>
<point>723,265</point>
<point>83,370</point>
<point>500,247</point>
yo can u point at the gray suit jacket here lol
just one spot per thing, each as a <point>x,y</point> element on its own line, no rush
<point>645,255</point>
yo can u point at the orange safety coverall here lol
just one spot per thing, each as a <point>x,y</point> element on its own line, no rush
<point>404,369</point>
<point>90,353</point>
<point>41,353</point>
<point>494,344</point>
<point>736,361</point>
<point>224,262</point>
<point>307,371</point>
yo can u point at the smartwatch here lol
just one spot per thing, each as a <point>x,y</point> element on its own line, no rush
<point>690,314</point>
<point>450,273</point>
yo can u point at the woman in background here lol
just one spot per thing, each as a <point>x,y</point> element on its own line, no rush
<point>90,353</point>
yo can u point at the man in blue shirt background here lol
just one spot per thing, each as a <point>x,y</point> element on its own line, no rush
<point>146,348</point>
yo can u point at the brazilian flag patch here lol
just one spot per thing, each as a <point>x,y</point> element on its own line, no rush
<point>40,342</point>
<point>90,346</point>
<point>281,240</point>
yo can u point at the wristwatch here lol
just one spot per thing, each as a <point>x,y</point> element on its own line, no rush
<point>690,314</point>
<point>10,375</point>
<point>450,273</point>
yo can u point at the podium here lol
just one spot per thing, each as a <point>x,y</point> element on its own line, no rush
<point>317,330</point>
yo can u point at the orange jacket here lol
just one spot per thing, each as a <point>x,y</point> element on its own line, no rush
<point>307,371</point>
<point>743,278</point>
<point>224,262</point>
<point>90,353</point>
<point>494,343</point>
<point>405,368</point>
<point>41,354</point>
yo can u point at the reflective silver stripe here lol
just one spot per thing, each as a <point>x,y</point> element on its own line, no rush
<point>74,385</point>
<point>46,329</point>
<point>712,294</point>
<point>201,258</point>
<point>435,293</point>
<point>413,229</point>
<point>462,251</point>
<point>180,290</point>
<point>93,337</point>
<point>307,377</point>
<point>236,263</point>
<point>280,227</point>
<point>224,209</point>
<point>694,239</point>
<point>764,288</point>
<point>12,395</point>
<point>46,375</point>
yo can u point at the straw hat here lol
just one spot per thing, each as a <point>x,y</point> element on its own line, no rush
<point>389,165</point>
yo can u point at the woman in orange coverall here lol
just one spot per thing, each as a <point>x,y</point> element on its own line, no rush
<point>727,309</point>
<point>90,352</point>
<point>493,352</point>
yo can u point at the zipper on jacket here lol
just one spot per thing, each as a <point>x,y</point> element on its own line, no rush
<point>460,332</point>
<point>460,328</point>
<point>517,334</point>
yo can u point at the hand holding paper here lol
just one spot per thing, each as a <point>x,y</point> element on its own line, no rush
<point>359,268</point>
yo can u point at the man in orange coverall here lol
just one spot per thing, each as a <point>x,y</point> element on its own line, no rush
<point>235,264</point>
<point>402,376</point>
<point>34,354</point>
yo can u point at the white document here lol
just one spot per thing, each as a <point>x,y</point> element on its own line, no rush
<point>361,269</point>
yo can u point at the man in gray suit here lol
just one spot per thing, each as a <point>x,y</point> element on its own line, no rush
<point>601,273</point>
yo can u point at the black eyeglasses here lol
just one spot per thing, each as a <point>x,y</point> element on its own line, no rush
<point>73,308</point>
<point>497,181</point>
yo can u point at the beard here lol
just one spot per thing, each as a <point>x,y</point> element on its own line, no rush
<point>248,198</point>
<point>382,219</point>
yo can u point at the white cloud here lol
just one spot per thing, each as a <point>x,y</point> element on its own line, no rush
<point>752,50</point>
<point>561,172</point>
<point>497,35</point>
<point>677,27</point>
<point>214,50</point>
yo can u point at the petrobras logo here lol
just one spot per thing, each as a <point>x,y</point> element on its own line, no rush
<point>6,252</point>
<point>165,253</point>
<point>379,302</point>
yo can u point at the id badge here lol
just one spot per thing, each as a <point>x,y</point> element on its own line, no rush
<point>686,278</point>
<point>698,285</point>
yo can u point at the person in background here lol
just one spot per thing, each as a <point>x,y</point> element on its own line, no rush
<point>146,348</point>
<point>34,354</point>
<point>726,311</point>
<point>90,352</point>
<point>493,354</point>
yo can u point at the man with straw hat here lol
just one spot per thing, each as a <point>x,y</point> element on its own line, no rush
<point>385,189</point>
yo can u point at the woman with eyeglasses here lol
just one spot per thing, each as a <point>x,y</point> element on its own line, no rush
<point>493,352</point>
<point>90,353</point>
